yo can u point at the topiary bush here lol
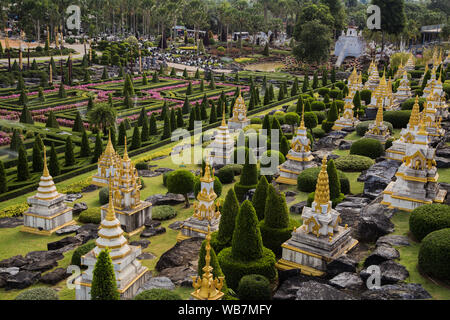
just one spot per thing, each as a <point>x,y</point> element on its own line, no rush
<point>225,174</point>
<point>434,254</point>
<point>399,119</point>
<point>363,127</point>
<point>165,176</point>
<point>103,195</point>
<point>317,106</point>
<point>318,132</point>
<point>366,96</point>
<point>428,218</point>
<point>141,166</point>
<point>408,104</point>
<point>164,212</point>
<point>38,294</point>
<point>307,180</point>
<point>353,163</point>
<point>321,116</point>
<point>157,294</point>
<point>254,287</point>
<point>368,147</point>
<point>255,121</point>
<point>81,251</point>
<point>91,215</point>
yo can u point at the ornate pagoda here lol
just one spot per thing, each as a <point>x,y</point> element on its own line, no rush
<point>403,91</point>
<point>354,83</point>
<point>239,119</point>
<point>107,164</point>
<point>320,239</point>
<point>378,130</point>
<point>400,71</point>
<point>417,177</point>
<point>374,77</point>
<point>410,66</point>
<point>385,93</point>
<point>407,135</point>
<point>436,90</point>
<point>130,274</point>
<point>48,211</point>
<point>431,116</point>
<point>206,211</point>
<point>348,119</point>
<point>132,211</point>
<point>206,287</point>
<point>223,145</point>
<point>299,157</point>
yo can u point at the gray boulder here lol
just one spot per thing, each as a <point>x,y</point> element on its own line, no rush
<point>180,255</point>
<point>11,271</point>
<point>143,243</point>
<point>297,207</point>
<point>10,222</point>
<point>151,232</point>
<point>340,265</point>
<point>63,242</point>
<point>382,253</point>
<point>402,291</point>
<point>22,280</point>
<point>146,256</point>
<point>442,162</point>
<point>391,272</point>
<point>79,207</point>
<point>176,225</point>
<point>55,276</point>
<point>67,230</point>
<point>347,280</point>
<point>378,176</point>
<point>312,290</point>
<point>157,283</point>
<point>393,240</point>
<point>167,199</point>
<point>374,222</point>
<point>345,145</point>
<point>16,261</point>
<point>289,287</point>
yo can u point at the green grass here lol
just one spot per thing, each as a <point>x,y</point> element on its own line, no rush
<point>408,258</point>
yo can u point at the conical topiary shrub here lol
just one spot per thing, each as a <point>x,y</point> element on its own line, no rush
<point>259,197</point>
<point>104,286</point>
<point>249,175</point>
<point>276,227</point>
<point>247,254</point>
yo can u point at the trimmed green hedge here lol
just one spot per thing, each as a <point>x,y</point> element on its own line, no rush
<point>234,270</point>
<point>164,212</point>
<point>307,180</point>
<point>91,215</point>
<point>42,293</point>
<point>81,251</point>
<point>353,163</point>
<point>408,104</point>
<point>399,119</point>
<point>225,174</point>
<point>434,254</point>
<point>368,147</point>
<point>157,294</point>
<point>254,287</point>
<point>429,218</point>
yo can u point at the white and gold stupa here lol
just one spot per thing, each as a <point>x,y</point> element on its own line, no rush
<point>239,119</point>
<point>378,129</point>
<point>48,211</point>
<point>223,145</point>
<point>206,287</point>
<point>384,92</point>
<point>132,211</point>
<point>431,117</point>
<point>410,66</point>
<point>129,273</point>
<point>431,86</point>
<point>400,71</point>
<point>107,164</point>
<point>417,177</point>
<point>435,89</point>
<point>354,83</point>
<point>403,91</point>
<point>374,77</point>
<point>206,211</point>
<point>299,157</point>
<point>320,239</point>
<point>407,135</point>
<point>347,120</point>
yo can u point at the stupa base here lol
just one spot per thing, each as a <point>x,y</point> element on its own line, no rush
<point>195,228</point>
<point>44,232</point>
<point>132,221</point>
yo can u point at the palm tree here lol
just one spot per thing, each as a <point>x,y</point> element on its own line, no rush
<point>102,116</point>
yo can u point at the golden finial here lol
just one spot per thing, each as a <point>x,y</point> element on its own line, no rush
<point>109,150</point>
<point>125,152</point>
<point>302,122</point>
<point>110,214</point>
<point>440,76</point>
<point>206,287</point>
<point>322,194</point>
<point>414,118</point>
<point>224,124</point>
<point>45,172</point>
<point>207,175</point>
<point>379,117</point>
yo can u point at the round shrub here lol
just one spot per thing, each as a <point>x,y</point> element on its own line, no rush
<point>334,93</point>
<point>408,104</point>
<point>255,121</point>
<point>234,269</point>
<point>317,106</point>
<point>368,147</point>
<point>307,180</point>
<point>157,294</point>
<point>363,127</point>
<point>279,115</point>
<point>38,294</point>
<point>163,212</point>
<point>225,174</point>
<point>434,254</point>
<point>141,166</point>
<point>399,119</point>
<point>254,287</point>
<point>366,95</point>
<point>237,168</point>
<point>217,186</point>
<point>165,176</point>
<point>321,116</point>
<point>340,85</point>
<point>91,215</point>
<point>318,132</point>
<point>81,251</point>
<point>353,162</point>
<point>327,126</point>
<point>429,218</point>
<point>103,195</point>
<point>323,91</point>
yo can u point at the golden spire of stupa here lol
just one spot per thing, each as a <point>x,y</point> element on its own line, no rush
<point>45,173</point>
<point>206,287</point>
<point>322,194</point>
<point>125,152</point>
<point>207,175</point>
<point>302,121</point>
<point>109,146</point>
<point>224,124</point>
<point>379,118</point>
<point>110,214</point>
<point>439,81</point>
<point>383,78</point>
<point>414,118</point>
